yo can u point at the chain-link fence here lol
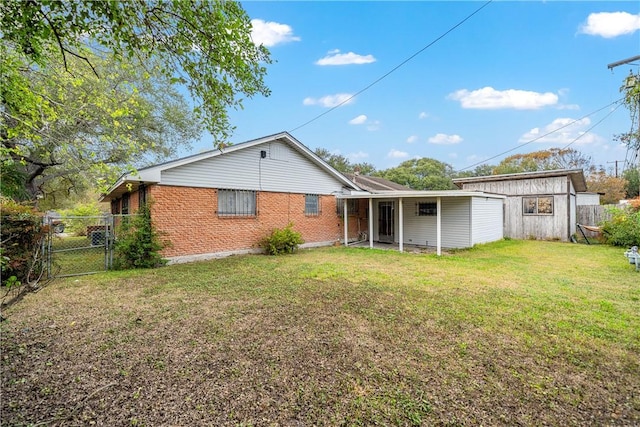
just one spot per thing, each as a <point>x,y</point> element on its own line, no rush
<point>81,244</point>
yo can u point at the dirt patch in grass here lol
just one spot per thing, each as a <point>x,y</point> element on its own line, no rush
<point>329,337</point>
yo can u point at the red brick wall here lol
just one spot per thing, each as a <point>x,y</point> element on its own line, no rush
<point>188,217</point>
<point>134,199</point>
<point>358,221</point>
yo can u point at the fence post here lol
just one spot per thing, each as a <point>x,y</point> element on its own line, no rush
<point>112,219</point>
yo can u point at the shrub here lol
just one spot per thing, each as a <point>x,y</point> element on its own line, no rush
<point>78,226</point>
<point>282,241</point>
<point>138,244</point>
<point>623,228</point>
<point>20,253</point>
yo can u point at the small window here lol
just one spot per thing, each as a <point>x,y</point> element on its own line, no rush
<point>236,203</point>
<point>142,195</point>
<point>115,207</point>
<point>311,204</point>
<point>353,207</point>
<point>125,204</point>
<point>426,209</point>
<point>537,205</point>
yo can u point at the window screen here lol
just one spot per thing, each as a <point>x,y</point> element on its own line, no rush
<point>236,203</point>
<point>426,209</point>
<point>311,204</point>
<point>353,207</point>
<point>125,204</point>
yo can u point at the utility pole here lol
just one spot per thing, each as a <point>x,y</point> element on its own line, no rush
<point>616,162</point>
<point>622,62</point>
<point>631,82</point>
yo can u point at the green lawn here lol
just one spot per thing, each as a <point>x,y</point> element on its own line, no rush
<point>510,333</point>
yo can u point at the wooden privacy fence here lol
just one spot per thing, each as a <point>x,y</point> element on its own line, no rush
<point>592,215</point>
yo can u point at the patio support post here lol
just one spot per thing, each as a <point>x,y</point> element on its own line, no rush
<point>438,226</point>
<point>370,222</point>
<point>345,218</point>
<point>400,225</point>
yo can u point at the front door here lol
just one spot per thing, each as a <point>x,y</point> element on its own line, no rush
<point>385,221</point>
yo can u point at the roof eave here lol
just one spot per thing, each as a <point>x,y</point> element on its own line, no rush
<point>576,175</point>
<point>416,194</point>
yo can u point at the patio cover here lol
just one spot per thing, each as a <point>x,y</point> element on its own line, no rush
<point>401,196</point>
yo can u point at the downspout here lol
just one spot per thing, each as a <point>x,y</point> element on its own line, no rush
<point>345,218</point>
<point>400,225</point>
<point>438,226</point>
<point>371,222</point>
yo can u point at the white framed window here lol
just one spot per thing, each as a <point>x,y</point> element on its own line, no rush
<point>539,205</point>
<point>236,203</point>
<point>312,205</point>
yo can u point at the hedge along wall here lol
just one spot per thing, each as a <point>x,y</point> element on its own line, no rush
<point>21,238</point>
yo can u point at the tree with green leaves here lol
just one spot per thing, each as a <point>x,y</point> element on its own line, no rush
<point>421,174</point>
<point>481,170</point>
<point>64,133</point>
<point>632,187</point>
<point>343,164</point>
<point>553,158</point>
<point>631,91</point>
<point>205,46</point>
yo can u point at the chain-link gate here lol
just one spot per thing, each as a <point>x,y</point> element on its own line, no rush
<point>79,244</point>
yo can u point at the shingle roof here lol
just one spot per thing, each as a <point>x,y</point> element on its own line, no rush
<point>375,184</point>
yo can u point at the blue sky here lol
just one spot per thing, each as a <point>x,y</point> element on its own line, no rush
<point>511,73</point>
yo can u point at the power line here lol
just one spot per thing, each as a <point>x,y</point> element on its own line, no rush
<point>395,68</point>
<point>547,134</point>
<point>589,130</point>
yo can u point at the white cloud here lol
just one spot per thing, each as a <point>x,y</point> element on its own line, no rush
<point>373,125</point>
<point>611,24</point>
<point>444,139</point>
<point>563,131</point>
<point>489,98</point>
<point>453,155</point>
<point>397,154</point>
<point>334,57</point>
<point>412,139</point>
<point>330,101</point>
<point>568,107</point>
<point>361,119</point>
<point>271,33</point>
<point>359,155</point>
<point>423,115</point>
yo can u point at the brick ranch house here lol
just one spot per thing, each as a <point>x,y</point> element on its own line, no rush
<point>225,201</point>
